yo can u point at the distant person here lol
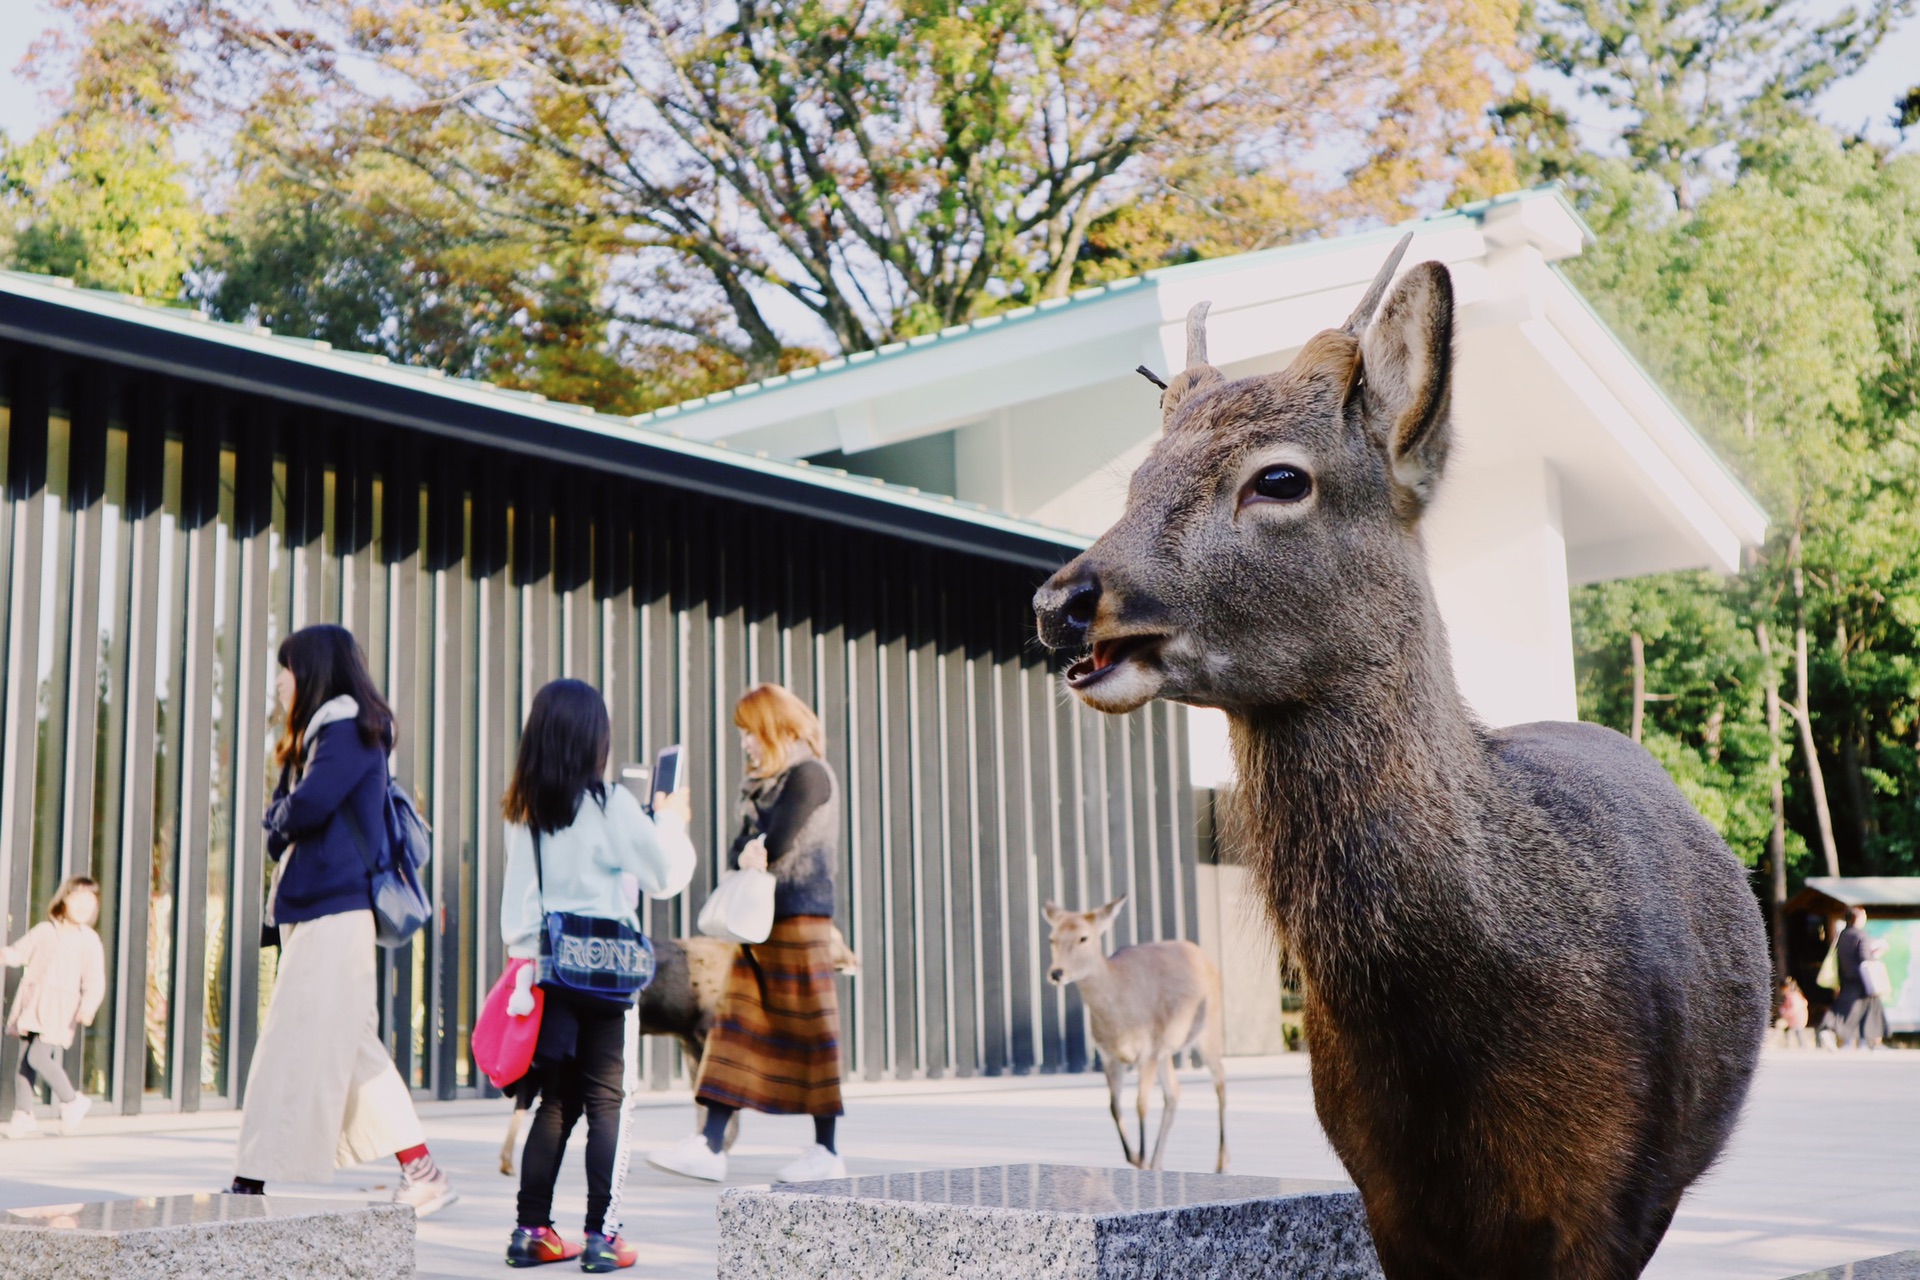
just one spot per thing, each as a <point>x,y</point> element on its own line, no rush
<point>1790,1014</point>
<point>1859,1018</point>
<point>775,1045</point>
<point>577,846</point>
<point>322,1091</point>
<point>65,978</point>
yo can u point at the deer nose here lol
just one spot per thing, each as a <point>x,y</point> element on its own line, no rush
<point>1057,974</point>
<point>1065,605</point>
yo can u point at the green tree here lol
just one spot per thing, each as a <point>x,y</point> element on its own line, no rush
<point>875,171</point>
<point>1692,75</point>
<point>1784,313</point>
<point>1701,684</point>
<point>99,195</point>
<point>363,251</point>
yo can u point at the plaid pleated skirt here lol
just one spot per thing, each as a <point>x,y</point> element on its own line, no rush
<point>775,1046</point>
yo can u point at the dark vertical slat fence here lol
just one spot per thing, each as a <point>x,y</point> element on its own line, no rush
<point>177,534</point>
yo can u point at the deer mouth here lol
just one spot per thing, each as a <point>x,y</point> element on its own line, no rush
<point>1108,656</point>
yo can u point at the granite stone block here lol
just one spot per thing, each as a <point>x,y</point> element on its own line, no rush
<point>1893,1266</point>
<point>208,1237</point>
<point>1057,1222</point>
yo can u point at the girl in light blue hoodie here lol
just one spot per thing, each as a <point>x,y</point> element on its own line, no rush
<point>598,852</point>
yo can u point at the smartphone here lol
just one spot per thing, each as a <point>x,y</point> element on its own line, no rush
<point>634,778</point>
<point>666,771</point>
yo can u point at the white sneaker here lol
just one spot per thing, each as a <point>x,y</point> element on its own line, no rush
<point>71,1113</point>
<point>816,1164</point>
<point>22,1125</point>
<point>691,1158</point>
<point>428,1196</point>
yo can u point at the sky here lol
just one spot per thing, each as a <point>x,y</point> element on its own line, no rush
<point>1865,99</point>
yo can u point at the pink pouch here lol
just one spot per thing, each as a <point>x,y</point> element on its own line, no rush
<point>502,1044</point>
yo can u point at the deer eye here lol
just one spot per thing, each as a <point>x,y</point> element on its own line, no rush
<point>1282,483</point>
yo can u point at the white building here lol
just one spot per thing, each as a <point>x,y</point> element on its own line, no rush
<point>1570,464</point>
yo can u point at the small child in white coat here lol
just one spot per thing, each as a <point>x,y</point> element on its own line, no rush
<point>61,990</point>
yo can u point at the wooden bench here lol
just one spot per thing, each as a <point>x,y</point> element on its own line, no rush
<point>208,1237</point>
<point>1048,1222</point>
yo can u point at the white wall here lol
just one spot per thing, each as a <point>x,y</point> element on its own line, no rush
<point>1235,934</point>
<point>1499,562</point>
<point>1061,460</point>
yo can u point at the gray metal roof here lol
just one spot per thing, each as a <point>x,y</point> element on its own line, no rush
<point>1461,215</point>
<point>52,313</point>
<point>1869,891</point>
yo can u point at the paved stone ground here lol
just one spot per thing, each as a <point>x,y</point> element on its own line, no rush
<point>1821,1173</point>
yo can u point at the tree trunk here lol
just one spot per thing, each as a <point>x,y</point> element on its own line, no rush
<point>1715,730</point>
<point>1854,743</point>
<point>1777,837</point>
<point>1853,773</point>
<point>1639,684</point>
<point>1803,713</point>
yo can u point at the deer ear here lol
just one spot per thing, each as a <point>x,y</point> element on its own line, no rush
<point>1406,367</point>
<point>1051,910</point>
<point>1103,916</point>
<point>1198,375</point>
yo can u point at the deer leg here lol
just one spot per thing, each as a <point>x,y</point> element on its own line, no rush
<point>1149,1067</point>
<point>1218,1066</point>
<point>1116,1078</point>
<point>513,1136</point>
<point>1169,1103</point>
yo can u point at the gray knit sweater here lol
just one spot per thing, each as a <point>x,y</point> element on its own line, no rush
<point>799,813</point>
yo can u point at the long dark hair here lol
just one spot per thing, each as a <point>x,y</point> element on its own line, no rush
<point>563,755</point>
<point>326,662</point>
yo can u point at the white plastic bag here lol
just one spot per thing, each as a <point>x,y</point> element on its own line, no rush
<point>740,908</point>
<point>1876,978</point>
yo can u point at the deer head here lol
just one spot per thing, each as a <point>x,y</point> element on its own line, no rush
<point>1269,552</point>
<point>1076,940</point>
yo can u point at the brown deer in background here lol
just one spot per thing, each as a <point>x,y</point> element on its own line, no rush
<point>1536,981</point>
<point>1148,1003</point>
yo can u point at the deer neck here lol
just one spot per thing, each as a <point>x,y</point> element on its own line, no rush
<point>1097,983</point>
<point>1357,807</point>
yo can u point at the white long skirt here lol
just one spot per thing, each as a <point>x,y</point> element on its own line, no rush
<point>323,1092</point>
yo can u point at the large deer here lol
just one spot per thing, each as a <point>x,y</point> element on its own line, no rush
<point>1148,1003</point>
<point>1536,981</point>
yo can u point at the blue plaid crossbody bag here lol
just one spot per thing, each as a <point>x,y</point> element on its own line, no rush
<point>589,954</point>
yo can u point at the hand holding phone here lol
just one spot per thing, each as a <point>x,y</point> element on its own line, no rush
<point>675,802</point>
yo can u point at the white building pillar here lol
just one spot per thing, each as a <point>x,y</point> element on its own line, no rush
<point>1499,561</point>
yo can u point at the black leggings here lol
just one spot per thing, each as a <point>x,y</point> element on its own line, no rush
<point>581,1060</point>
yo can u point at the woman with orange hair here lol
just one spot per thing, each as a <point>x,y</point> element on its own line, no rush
<point>775,1044</point>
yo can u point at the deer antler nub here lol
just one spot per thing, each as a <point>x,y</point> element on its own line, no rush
<point>1364,312</point>
<point>1197,335</point>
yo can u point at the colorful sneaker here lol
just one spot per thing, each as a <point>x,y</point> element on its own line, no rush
<point>537,1246</point>
<point>607,1253</point>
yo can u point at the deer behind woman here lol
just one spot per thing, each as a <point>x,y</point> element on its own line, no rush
<point>1466,905</point>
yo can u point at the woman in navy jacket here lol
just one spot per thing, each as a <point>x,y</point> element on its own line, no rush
<point>322,1091</point>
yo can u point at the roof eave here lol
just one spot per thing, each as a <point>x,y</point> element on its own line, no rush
<point>314,378</point>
